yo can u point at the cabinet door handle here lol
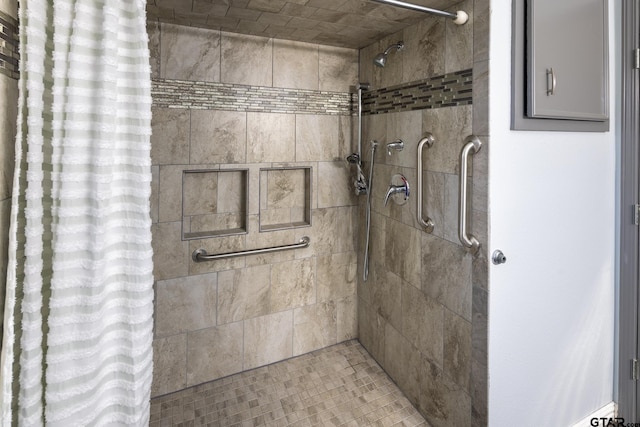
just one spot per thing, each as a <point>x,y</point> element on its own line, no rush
<point>551,82</point>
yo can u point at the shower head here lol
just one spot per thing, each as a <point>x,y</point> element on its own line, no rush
<point>381,59</point>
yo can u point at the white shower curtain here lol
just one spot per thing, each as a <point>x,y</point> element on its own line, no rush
<point>78,315</point>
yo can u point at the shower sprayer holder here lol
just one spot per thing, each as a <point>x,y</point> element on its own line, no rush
<point>398,190</point>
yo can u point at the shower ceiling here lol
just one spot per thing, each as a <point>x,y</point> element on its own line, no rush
<point>345,23</point>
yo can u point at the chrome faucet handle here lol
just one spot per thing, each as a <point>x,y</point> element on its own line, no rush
<point>397,145</point>
<point>402,186</point>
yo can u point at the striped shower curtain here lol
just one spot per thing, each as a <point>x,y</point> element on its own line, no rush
<point>78,313</point>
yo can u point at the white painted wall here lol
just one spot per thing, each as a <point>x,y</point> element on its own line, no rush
<point>553,214</point>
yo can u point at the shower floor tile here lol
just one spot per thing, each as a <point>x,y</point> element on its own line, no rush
<point>337,386</point>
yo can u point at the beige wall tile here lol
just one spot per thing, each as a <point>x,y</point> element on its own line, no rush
<point>336,276</point>
<point>247,60</point>
<point>155,193</point>
<point>170,253</point>
<point>268,339</point>
<point>334,186</point>
<point>200,61</point>
<point>457,349</point>
<point>295,65</point>
<point>214,353</point>
<point>433,200</point>
<point>270,137</point>
<point>286,188</point>
<point>459,45</point>
<point>10,7</point>
<point>170,193</point>
<point>314,327</point>
<point>424,54</point>
<point>200,193</point>
<point>442,402</point>
<point>396,350</point>
<point>446,274</point>
<point>218,136</point>
<point>316,138</point>
<point>403,251</point>
<point>153,31</point>
<point>8,117</point>
<point>293,284</point>
<point>169,364</point>
<point>347,318</point>
<point>338,69</point>
<point>449,126</point>
<point>386,295</point>
<point>243,294</point>
<point>423,323</point>
<point>406,126</point>
<point>450,208</point>
<point>332,231</point>
<point>185,304</point>
<point>170,136</point>
<point>232,191</point>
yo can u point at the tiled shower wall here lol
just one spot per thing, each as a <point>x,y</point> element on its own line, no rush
<point>217,318</point>
<point>8,116</point>
<point>422,312</point>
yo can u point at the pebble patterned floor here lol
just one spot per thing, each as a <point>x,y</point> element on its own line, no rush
<point>338,386</point>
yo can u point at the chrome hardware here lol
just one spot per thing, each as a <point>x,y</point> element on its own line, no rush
<point>398,185</point>
<point>397,145</point>
<point>498,257</point>
<point>427,222</point>
<point>200,255</point>
<point>472,146</point>
<point>551,82</point>
<point>365,272</point>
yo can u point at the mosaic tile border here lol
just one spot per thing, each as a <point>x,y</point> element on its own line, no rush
<point>9,43</point>
<point>235,97</point>
<point>448,90</point>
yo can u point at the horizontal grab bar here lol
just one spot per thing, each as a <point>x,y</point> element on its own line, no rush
<point>200,255</point>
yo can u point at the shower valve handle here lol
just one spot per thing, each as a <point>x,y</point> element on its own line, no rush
<point>402,187</point>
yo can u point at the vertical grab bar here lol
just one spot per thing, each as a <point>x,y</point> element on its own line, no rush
<point>472,146</point>
<point>427,222</point>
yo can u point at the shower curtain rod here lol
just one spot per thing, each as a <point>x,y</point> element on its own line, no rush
<point>460,17</point>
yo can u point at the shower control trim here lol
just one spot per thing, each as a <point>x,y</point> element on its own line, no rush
<point>398,186</point>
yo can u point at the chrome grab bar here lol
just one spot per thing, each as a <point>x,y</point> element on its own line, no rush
<point>200,255</point>
<point>427,222</point>
<point>472,146</point>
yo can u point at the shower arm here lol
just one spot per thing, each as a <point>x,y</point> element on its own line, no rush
<point>460,17</point>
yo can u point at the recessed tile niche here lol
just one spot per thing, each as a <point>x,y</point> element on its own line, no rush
<point>214,203</point>
<point>285,198</point>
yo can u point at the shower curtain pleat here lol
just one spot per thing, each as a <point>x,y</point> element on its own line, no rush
<point>79,289</point>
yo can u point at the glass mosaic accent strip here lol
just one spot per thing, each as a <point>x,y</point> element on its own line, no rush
<point>9,42</point>
<point>449,90</point>
<point>234,97</point>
